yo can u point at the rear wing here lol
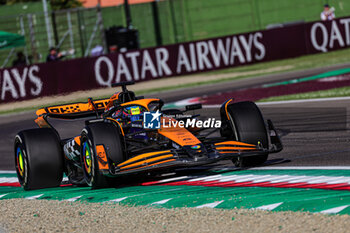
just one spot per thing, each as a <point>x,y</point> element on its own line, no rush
<point>70,111</point>
<point>73,110</point>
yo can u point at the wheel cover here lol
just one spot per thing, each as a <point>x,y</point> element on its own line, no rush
<point>87,158</point>
<point>20,161</point>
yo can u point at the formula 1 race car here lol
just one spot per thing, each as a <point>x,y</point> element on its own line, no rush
<point>126,135</point>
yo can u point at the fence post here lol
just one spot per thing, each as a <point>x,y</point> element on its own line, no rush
<point>32,37</point>
<point>127,14</point>
<point>81,26</point>
<point>102,30</point>
<point>70,29</point>
<point>23,32</point>
<point>54,25</point>
<point>257,13</point>
<point>186,21</point>
<point>157,31</point>
<point>47,23</point>
<point>8,58</point>
<point>173,19</point>
<point>96,27</point>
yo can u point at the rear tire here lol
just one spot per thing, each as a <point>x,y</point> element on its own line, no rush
<point>108,135</point>
<point>38,158</point>
<point>246,124</point>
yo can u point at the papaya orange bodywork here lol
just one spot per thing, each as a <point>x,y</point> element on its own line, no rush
<point>73,108</point>
<point>101,157</point>
<point>234,148</point>
<point>113,98</point>
<point>40,112</point>
<point>180,135</point>
<point>235,143</point>
<point>162,162</point>
<point>41,122</point>
<point>142,156</point>
<point>228,117</point>
<point>145,162</point>
<point>77,140</point>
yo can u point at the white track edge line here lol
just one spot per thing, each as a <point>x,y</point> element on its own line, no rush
<point>303,168</point>
<point>7,172</point>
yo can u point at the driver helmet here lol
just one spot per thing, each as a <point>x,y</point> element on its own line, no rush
<point>133,113</point>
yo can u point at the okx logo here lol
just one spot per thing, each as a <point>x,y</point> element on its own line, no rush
<point>151,120</point>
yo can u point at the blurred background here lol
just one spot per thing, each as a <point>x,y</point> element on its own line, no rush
<point>82,28</point>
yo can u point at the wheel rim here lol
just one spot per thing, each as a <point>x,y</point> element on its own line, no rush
<point>87,158</point>
<point>20,162</point>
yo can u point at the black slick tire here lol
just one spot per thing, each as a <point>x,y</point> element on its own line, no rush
<point>38,158</point>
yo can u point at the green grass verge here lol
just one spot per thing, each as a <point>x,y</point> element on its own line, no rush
<point>336,92</point>
<point>300,63</point>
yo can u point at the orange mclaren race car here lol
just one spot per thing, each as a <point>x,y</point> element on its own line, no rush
<point>126,135</point>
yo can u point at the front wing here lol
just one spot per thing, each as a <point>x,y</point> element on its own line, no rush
<point>168,159</point>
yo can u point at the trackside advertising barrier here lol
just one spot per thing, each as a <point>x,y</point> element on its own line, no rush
<point>21,83</point>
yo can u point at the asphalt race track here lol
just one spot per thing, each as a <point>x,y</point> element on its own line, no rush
<point>314,133</point>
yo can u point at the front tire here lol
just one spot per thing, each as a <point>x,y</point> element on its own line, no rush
<point>246,124</point>
<point>108,135</point>
<point>38,158</point>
